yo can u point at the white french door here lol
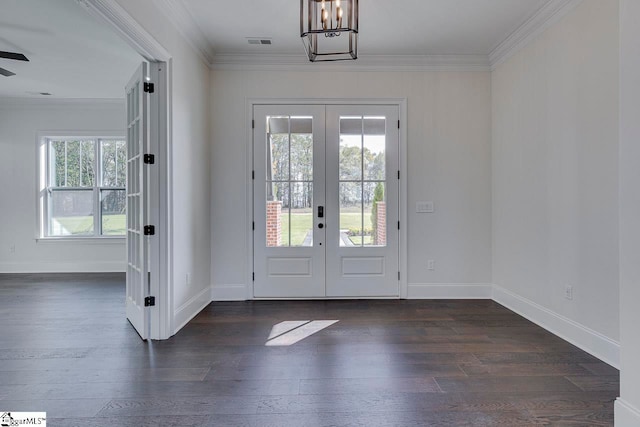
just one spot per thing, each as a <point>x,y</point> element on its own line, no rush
<point>137,287</point>
<point>325,201</point>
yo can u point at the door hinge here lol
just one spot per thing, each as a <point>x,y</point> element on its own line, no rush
<point>254,277</point>
<point>254,225</point>
<point>253,174</point>
<point>253,124</point>
<point>398,275</point>
<point>149,159</point>
<point>398,225</point>
<point>149,87</point>
<point>398,124</point>
<point>149,230</point>
<point>398,174</point>
<point>149,301</point>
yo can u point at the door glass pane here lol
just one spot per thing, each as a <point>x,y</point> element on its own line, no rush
<point>375,214</point>
<point>71,213</point>
<point>277,218</point>
<point>350,148</point>
<point>374,148</point>
<point>113,204</point>
<point>301,149</point>
<point>289,176</point>
<point>362,181</point>
<point>301,224</point>
<point>277,149</point>
<point>350,214</point>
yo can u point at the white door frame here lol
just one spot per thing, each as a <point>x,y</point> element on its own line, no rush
<point>161,197</point>
<point>401,103</point>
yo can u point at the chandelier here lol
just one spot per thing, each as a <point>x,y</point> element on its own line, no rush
<point>329,29</point>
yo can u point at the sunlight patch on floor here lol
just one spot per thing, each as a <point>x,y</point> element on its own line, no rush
<point>292,331</point>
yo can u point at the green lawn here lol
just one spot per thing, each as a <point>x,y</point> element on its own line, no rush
<point>112,225</point>
<point>302,222</point>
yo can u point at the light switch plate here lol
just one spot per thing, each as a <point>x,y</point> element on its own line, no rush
<point>425,207</point>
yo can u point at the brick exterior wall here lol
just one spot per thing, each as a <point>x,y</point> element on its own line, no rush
<point>380,238</point>
<point>274,223</point>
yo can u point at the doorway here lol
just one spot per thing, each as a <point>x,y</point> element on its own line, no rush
<point>326,198</point>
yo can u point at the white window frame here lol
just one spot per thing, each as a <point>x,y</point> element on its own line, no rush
<point>44,176</point>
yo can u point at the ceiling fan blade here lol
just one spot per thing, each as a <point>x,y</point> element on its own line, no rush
<point>13,55</point>
<point>6,73</point>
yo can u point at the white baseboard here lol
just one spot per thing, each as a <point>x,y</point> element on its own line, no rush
<point>569,330</point>
<point>63,267</point>
<point>191,308</point>
<point>228,292</point>
<point>625,414</point>
<point>449,291</point>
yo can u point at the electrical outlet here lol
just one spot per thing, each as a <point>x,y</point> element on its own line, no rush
<point>568,292</point>
<point>431,264</point>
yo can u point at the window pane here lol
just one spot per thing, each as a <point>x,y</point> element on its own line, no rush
<point>375,214</point>
<point>114,163</point>
<point>87,163</point>
<point>71,213</point>
<point>350,148</point>
<point>108,151</point>
<point>350,214</point>
<point>57,163</point>
<point>113,209</point>
<point>80,161</point>
<point>277,148</point>
<point>301,214</point>
<point>121,163</point>
<point>72,163</point>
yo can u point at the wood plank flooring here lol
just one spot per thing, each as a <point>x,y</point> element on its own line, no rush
<point>66,348</point>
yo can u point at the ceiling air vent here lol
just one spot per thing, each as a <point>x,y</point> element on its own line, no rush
<point>258,40</point>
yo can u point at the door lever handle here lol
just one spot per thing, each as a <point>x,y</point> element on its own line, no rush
<point>320,211</point>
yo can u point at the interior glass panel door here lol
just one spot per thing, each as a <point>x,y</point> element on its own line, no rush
<point>137,287</point>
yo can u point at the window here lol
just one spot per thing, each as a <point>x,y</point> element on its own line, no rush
<point>84,187</point>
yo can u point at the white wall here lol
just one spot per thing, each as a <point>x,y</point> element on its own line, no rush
<point>628,405</point>
<point>555,176</point>
<point>190,162</point>
<point>449,133</point>
<point>20,122</point>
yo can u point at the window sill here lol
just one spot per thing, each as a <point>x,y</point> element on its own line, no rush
<point>120,240</point>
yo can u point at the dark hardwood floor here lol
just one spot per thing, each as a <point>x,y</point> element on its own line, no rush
<point>66,348</point>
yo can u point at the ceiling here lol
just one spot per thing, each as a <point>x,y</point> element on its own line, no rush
<point>74,55</point>
<point>71,53</point>
<point>396,27</point>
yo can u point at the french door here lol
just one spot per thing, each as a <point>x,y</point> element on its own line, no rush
<point>325,201</point>
<point>137,287</point>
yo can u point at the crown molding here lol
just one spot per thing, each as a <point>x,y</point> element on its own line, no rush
<point>182,19</point>
<point>299,62</point>
<point>84,103</point>
<point>540,21</point>
<point>128,28</point>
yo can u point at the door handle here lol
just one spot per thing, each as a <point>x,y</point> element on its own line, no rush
<point>320,211</point>
<point>321,225</point>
